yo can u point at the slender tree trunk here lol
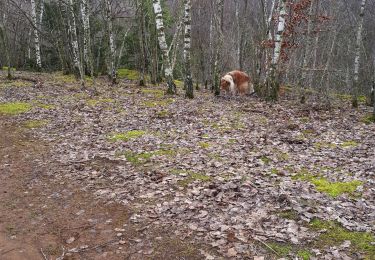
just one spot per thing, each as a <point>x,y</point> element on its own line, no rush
<point>211,51</point>
<point>238,47</point>
<point>87,53</point>
<point>112,48</point>
<point>220,40</point>
<point>358,54</point>
<point>76,57</point>
<point>164,47</point>
<point>268,36</point>
<point>306,55</point>
<point>187,45</point>
<point>272,81</point>
<point>373,91</point>
<point>36,35</point>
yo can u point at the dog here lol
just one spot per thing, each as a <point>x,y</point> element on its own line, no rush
<point>237,82</point>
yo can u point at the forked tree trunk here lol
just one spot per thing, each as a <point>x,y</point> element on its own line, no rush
<point>112,48</point>
<point>220,39</point>
<point>168,72</point>
<point>78,68</point>
<point>187,45</point>
<point>36,35</point>
<point>272,81</point>
<point>358,54</point>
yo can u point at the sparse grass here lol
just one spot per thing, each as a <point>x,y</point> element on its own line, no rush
<point>162,114</point>
<point>158,93</point>
<point>15,83</point>
<point>204,145</point>
<point>35,123</point>
<point>348,144</point>
<point>265,160</point>
<point>14,108</point>
<point>60,77</point>
<point>126,136</point>
<point>179,83</point>
<point>304,254</point>
<point>335,235</point>
<point>281,249</point>
<point>333,189</point>
<point>190,176</point>
<point>128,74</point>
<point>95,102</point>
<point>274,171</point>
<point>6,68</point>
<point>289,214</point>
<point>368,119</point>
<point>45,106</point>
<point>322,145</point>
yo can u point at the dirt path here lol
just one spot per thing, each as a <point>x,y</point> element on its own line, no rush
<point>39,216</point>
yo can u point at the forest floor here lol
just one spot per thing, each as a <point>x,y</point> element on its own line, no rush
<point>133,174</point>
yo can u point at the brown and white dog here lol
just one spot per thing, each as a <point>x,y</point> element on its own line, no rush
<point>236,82</point>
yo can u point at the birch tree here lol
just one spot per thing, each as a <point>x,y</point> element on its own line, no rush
<point>36,35</point>
<point>74,41</point>
<point>187,45</point>
<point>272,82</point>
<point>218,17</point>
<point>112,48</point>
<point>87,53</point>
<point>358,54</point>
<point>163,46</point>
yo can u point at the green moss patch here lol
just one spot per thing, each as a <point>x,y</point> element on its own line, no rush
<point>126,136</point>
<point>368,119</point>
<point>348,144</point>
<point>335,235</point>
<point>204,145</point>
<point>190,176</point>
<point>281,249</point>
<point>95,102</point>
<point>15,83</point>
<point>14,108</point>
<point>154,92</point>
<point>304,254</point>
<point>289,214</point>
<point>265,160</point>
<point>6,68</point>
<point>128,74</point>
<point>35,123</point>
<point>324,145</point>
<point>333,189</point>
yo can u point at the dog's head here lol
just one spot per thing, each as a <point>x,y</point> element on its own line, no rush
<point>225,82</point>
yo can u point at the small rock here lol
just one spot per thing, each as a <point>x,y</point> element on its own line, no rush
<point>70,240</point>
<point>231,252</point>
<point>258,257</point>
<point>119,234</point>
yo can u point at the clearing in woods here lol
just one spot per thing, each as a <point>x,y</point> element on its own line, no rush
<point>131,173</point>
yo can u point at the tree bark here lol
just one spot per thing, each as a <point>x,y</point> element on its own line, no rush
<point>358,54</point>
<point>36,35</point>
<point>73,30</point>
<point>187,45</point>
<point>112,49</point>
<point>272,81</point>
<point>219,28</point>
<point>87,53</point>
<point>163,46</point>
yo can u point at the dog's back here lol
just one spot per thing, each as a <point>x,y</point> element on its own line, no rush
<point>241,80</point>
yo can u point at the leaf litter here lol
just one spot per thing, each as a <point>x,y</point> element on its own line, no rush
<point>230,173</point>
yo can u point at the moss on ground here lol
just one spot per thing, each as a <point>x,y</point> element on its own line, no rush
<point>128,74</point>
<point>158,93</point>
<point>204,145</point>
<point>190,176</point>
<point>265,160</point>
<point>289,214</point>
<point>95,102</point>
<point>324,145</point>
<point>15,83</point>
<point>126,136</point>
<point>281,249</point>
<point>368,119</point>
<point>335,235</point>
<point>35,123</point>
<point>14,108</point>
<point>348,144</point>
<point>333,189</point>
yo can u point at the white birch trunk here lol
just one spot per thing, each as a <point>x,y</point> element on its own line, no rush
<point>36,35</point>
<point>163,46</point>
<point>112,48</point>
<point>358,53</point>
<point>279,34</point>
<point>187,46</point>
<point>73,30</point>
<point>87,54</point>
